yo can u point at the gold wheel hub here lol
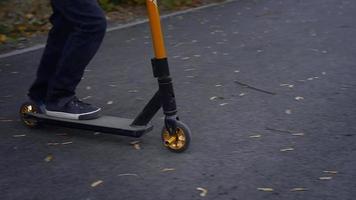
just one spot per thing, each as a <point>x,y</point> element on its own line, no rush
<point>176,141</point>
<point>28,109</point>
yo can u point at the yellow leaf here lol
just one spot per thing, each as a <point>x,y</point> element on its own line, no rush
<point>3,38</point>
<point>266,189</point>
<point>21,28</point>
<point>96,183</point>
<point>29,16</point>
<point>49,158</point>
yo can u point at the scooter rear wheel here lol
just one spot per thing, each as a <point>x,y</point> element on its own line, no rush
<point>179,141</point>
<point>26,108</point>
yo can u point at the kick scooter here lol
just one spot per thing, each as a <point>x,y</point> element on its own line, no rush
<point>175,134</point>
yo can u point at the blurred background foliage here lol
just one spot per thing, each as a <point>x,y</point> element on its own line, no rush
<point>20,19</point>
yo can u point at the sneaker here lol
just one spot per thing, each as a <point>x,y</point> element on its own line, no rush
<point>74,109</point>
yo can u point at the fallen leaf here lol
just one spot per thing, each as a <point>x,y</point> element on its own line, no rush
<point>203,191</point>
<point>16,136</point>
<point>52,143</point>
<point>65,143</point>
<point>49,158</point>
<point>298,189</point>
<point>87,97</point>
<point>167,169</point>
<point>330,172</point>
<point>3,38</point>
<point>299,98</point>
<point>266,189</point>
<point>215,97</point>
<point>128,174</point>
<point>6,120</point>
<point>288,111</point>
<point>137,146</point>
<point>110,102</point>
<point>298,134</point>
<point>325,178</point>
<point>286,85</point>
<point>135,142</point>
<point>287,149</point>
<point>242,94</point>
<point>255,136</point>
<point>96,183</point>
<point>29,16</point>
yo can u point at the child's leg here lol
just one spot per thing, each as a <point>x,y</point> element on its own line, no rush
<point>89,27</point>
<point>57,38</point>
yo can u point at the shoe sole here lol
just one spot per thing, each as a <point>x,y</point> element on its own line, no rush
<point>81,116</point>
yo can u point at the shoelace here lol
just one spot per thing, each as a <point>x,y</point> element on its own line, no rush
<point>79,103</point>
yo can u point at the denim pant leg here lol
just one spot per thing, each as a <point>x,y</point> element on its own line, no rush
<point>89,27</point>
<point>57,38</point>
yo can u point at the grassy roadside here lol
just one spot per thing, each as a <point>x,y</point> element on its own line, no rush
<point>25,23</point>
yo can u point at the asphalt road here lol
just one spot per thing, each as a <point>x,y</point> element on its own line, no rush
<point>267,88</point>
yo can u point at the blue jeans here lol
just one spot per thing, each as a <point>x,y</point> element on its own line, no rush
<point>78,29</point>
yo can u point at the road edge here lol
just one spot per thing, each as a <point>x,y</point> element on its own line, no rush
<point>118,27</point>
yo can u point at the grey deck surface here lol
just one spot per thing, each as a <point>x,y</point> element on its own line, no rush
<point>243,138</point>
<point>106,124</point>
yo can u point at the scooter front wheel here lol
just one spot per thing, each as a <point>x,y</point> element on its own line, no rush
<point>26,108</point>
<point>179,141</point>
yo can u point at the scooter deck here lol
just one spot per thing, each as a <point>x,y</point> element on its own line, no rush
<point>105,124</point>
